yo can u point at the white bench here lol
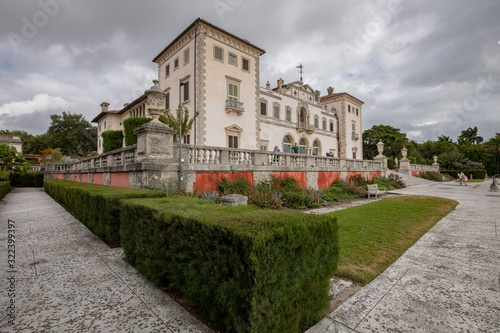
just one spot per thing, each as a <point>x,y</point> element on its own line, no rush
<point>375,191</point>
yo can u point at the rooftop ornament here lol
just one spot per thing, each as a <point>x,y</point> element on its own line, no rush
<point>156,101</point>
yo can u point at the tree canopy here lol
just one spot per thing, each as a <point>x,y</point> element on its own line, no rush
<point>72,133</point>
<point>392,138</point>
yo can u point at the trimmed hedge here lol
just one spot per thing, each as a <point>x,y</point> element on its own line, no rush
<point>4,188</point>
<point>476,174</point>
<point>250,270</point>
<point>129,126</point>
<point>112,140</point>
<point>34,179</point>
<point>96,206</point>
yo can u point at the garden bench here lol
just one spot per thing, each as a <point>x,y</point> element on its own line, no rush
<point>375,190</point>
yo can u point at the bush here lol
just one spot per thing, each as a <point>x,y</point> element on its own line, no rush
<point>96,206</point>
<point>4,188</point>
<point>250,270</point>
<point>32,179</point>
<point>432,175</point>
<point>476,174</point>
<point>112,140</point>
<point>390,163</point>
<point>129,126</point>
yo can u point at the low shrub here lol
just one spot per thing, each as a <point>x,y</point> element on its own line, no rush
<point>4,188</point>
<point>96,206</point>
<point>250,270</point>
<point>431,175</point>
<point>390,163</point>
<point>476,174</point>
<point>31,179</point>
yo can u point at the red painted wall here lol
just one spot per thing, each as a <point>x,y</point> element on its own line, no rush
<point>121,179</point>
<point>97,178</point>
<point>374,174</point>
<point>75,177</point>
<point>351,174</point>
<point>325,179</point>
<point>414,174</point>
<point>60,176</point>
<point>85,177</point>
<point>299,176</point>
<point>209,181</point>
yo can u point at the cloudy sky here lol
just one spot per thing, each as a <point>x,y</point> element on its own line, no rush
<point>427,67</point>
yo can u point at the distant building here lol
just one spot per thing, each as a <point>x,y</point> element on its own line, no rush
<point>221,76</point>
<point>12,141</point>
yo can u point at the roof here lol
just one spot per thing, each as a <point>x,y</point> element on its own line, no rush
<point>200,20</point>
<point>104,113</point>
<point>122,111</point>
<point>339,94</point>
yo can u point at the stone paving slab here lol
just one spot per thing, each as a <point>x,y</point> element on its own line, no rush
<point>448,281</point>
<point>68,280</point>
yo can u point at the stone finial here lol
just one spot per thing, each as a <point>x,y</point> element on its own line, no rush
<point>280,83</point>
<point>317,94</point>
<point>330,90</point>
<point>268,85</point>
<point>104,106</point>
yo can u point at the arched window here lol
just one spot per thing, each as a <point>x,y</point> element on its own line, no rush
<point>302,146</point>
<point>287,144</point>
<point>316,148</point>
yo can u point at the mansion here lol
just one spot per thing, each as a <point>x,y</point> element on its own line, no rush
<point>220,78</point>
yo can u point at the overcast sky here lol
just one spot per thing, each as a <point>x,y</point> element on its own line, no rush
<point>427,67</point>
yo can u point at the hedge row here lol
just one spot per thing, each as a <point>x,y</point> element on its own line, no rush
<point>476,174</point>
<point>96,206</point>
<point>129,126</point>
<point>250,270</point>
<point>34,179</point>
<point>112,140</point>
<point>4,188</point>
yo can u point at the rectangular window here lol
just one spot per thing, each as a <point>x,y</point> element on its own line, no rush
<point>263,148</point>
<point>288,114</point>
<point>186,91</point>
<point>218,53</point>
<point>167,101</point>
<point>349,108</point>
<point>324,124</point>
<point>316,122</point>
<point>176,63</point>
<point>233,141</point>
<point>263,108</point>
<point>245,64</point>
<point>186,139</point>
<point>233,59</point>
<point>354,155</point>
<point>353,126</point>
<point>167,70</point>
<point>331,126</point>
<point>186,56</point>
<point>232,95</point>
<point>357,112</point>
<point>277,112</point>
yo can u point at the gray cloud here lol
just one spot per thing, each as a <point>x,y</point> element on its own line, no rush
<point>418,66</point>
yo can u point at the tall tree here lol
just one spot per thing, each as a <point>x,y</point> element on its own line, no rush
<point>72,133</point>
<point>492,146</point>
<point>470,136</point>
<point>392,138</point>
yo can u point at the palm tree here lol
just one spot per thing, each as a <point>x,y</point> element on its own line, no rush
<point>444,138</point>
<point>470,136</point>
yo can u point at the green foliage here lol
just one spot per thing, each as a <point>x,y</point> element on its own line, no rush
<point>492,147</point>
<point>250,270</point>
<point>470,136</point>
<point>172,120</point>
<point>211,196</point>
<point>390,163</point>
<point>129,126</point>
<point>4,188</point>
<point>34,179</point>
<point>432,175</point>
<point>72,133</point>
<point>96,206</point>
<point>392,138</point>
<point>239,186</point>
<point>112,140</point>
<point>11,160</point>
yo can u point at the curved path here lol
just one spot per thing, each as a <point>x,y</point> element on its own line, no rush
<point>448,281</point>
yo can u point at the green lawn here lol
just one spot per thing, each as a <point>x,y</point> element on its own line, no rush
<point>472,180</point>
<point>373,236</point>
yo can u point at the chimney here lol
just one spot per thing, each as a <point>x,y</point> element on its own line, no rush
<point>330,90</point>
<point>104,106</point>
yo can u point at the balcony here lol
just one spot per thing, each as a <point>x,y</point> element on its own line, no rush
<point>355,136</point>
<point>234,106</point>
<point>305,127</point>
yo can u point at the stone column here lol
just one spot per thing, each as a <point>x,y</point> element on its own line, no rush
<point>155,143</point>
<point>381,157</point>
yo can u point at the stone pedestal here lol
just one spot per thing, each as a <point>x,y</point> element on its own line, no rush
<point>234,200</point>
<point>155,143</point>
<point>404,166</point>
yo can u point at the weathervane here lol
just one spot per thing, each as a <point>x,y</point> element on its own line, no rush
<point>300,67</point>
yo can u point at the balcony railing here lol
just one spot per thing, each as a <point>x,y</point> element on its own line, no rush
<point>305,127</point>
<point>234,106</point>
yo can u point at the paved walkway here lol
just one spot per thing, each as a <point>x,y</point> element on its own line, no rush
<point>448,281</point>
<point>66,279</point>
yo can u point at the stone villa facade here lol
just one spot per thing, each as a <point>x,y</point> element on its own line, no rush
<point>220,74</point>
